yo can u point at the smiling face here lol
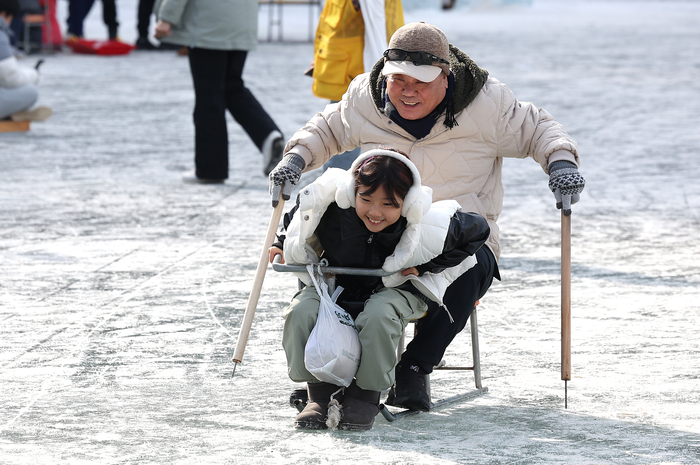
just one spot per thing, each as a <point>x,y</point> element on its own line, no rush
<point>376,210</point>
<point>415,99</point>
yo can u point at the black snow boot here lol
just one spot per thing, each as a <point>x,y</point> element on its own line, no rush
<point>359,408</point>
<point>409,391</point>
<point>315,413</point>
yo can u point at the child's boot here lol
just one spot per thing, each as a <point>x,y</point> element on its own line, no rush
<point>360,406</point>
<point>315,413</point>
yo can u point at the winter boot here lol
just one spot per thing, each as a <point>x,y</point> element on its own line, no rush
<point>315,413</point>
<point>359,408</point>
<point>144,44</point>
<point>409,391</point>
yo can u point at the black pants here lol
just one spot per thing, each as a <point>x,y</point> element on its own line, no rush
<point>435,331</point>
<point>218,86</point>
<point>144,17</point>
<point>79,9</point>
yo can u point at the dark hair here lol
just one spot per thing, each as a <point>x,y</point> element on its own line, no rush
<point>9,7</point>
<point>385,171</point>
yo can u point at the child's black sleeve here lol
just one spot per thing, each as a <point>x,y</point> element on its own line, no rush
<point>467,232</point>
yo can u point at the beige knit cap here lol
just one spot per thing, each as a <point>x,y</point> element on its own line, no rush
<point>421,37</point>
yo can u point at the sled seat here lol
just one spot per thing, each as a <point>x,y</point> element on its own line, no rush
<point>329,274</point>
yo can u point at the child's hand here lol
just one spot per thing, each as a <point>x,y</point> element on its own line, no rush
<point>274,251</point>
<point>408,271</point>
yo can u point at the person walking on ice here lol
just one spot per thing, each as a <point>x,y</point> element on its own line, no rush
<point>219,35</point>
<point>374,215</point>
<point>18,91</point>
<point>427,98</point>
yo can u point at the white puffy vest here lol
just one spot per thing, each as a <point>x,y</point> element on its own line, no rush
<point>421,242</point>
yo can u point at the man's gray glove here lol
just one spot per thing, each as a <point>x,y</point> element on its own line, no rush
<point>566,183</point>
<point>285,176</point>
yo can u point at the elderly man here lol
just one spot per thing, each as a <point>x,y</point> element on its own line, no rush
<point>429,99</point>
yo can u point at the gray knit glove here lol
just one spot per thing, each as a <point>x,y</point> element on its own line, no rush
<point>285,176</point>
<point>566,183</point>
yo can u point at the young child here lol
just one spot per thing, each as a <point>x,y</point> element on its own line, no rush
<point>374,215</point>
<point>17,90</point>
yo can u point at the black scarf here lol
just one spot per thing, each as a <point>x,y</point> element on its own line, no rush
<point>420,128</point>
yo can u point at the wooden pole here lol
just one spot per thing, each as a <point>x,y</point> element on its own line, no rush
<point>565,302</point>
<point>257,286</point>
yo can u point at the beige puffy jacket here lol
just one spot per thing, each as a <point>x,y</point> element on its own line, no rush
<point>463,163</point>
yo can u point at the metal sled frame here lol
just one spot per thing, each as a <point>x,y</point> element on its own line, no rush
<point>329,273</point>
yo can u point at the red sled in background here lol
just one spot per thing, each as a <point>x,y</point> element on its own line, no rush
<point>99,47</point>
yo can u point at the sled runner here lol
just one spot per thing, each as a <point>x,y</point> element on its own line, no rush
<point>329,273</point>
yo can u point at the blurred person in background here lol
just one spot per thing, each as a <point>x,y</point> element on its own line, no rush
<point>18,91</point>
<point>219,35</point>
<point>143,22</point>
<point>78,11</point>
<point>351,36</point>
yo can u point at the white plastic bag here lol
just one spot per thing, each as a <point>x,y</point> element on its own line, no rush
<point>332,353</point>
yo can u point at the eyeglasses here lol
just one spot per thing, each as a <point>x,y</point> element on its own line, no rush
<point>418,58</point>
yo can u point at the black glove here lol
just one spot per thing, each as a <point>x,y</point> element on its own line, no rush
<point>566,183</point>
<point>285,176</point>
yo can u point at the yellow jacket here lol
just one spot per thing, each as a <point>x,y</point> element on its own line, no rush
<point>339,44</point>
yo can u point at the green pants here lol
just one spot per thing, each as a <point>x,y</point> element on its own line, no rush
<point>380,325</point>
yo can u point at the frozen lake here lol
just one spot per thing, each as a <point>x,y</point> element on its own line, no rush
<point>122,289</point>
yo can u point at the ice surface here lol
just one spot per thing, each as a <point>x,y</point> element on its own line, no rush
<point>122,289</point>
